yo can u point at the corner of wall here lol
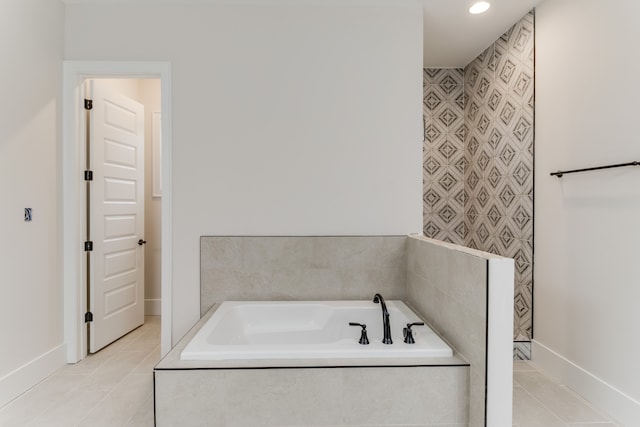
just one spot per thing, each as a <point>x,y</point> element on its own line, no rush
<point>26,376</point>
<point>624,408</point>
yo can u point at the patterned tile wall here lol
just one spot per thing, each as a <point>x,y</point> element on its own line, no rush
<point>480,165</point>
<point>444,195</point>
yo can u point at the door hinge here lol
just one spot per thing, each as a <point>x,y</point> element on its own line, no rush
<point>88,104</point>
<point>88,317</point>
<point>88,175</point>
<point>88,246</point>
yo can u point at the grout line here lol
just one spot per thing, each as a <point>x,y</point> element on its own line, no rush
<point>77,379</point>
<point>595,423</point>
<point>110,392</point>
<point>579,398</point>
<point>142,402</point>
<point>544,406</point>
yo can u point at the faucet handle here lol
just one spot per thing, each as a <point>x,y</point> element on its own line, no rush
<point>408,333</point>
<point>363,336</point>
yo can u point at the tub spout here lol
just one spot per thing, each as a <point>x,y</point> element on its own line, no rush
<point>386,327</point>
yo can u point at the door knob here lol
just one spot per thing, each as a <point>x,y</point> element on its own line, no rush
<point>141,242</point>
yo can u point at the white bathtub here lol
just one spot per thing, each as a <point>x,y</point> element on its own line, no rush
<point>309,330</point>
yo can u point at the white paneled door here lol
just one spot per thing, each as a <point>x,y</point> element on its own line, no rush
<point>116,218</point>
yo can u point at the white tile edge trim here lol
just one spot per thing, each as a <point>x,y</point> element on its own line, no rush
<point>152,307</point>
<point>602,395</point>
<point>31,373</point>
<point>499,404</point>
<point>458,248</point>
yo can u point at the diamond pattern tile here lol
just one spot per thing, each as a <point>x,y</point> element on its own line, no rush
<point>447,214</point>
<point>460,164</point>
<point>522,84</point>
<point>433,132</point>
<point>461,231</point>
<point>522,350</point>
<point>522,129</point>
<point>461,133</point>
<point>494,177</point>
<point>472,73</point>
<point>473,180</point>
<point>522,174</point>
<point>473,145</point>
<point>494,215</point>
<point>483,160</point>
<point>483,196</point>
<point>431,230</point>
<point>478,159</point>
<point>496,137</point>
<point>448,83</point>
<point>507,113</point>
<point>461,197</point>
<point>432,100</point>
<point>447,149</point>
<point>507,155</point>
<point>431,197</point>
<point>494,58</point>
<point>431,165</point>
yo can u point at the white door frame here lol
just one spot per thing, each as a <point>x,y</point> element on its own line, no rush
<point>74,200</point>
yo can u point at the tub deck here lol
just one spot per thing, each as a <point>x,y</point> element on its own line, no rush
<point>309,330</point>
<point>172,360</point>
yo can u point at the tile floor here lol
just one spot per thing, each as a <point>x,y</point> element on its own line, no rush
<point>539,401</point>
<point>115,388</point>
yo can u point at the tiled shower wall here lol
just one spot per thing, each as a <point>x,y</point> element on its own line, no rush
<point>444,195</point>
<point>478,158</point>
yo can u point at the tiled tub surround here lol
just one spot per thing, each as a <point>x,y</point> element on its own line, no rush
<point>467,296</point>
<point>478,159</point>
<point>247,268</point>
<point>310,392</point>
<point>351,392</point>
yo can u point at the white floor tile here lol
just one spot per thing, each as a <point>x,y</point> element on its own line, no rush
<point>607,424</point>
<point>114,388</point>
<point>122,404</point>
<point>528,412</point>
<point>76,406</point>
<point>557,398</point>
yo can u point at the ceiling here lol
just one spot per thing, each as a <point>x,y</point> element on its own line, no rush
<point>452,36</point>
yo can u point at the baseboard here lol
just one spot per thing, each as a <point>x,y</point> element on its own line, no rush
<point>615,403</point>
<point>26,376</point>
<point>152,307</point>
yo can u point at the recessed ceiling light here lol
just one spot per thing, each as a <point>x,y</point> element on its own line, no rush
<point>479,7</point>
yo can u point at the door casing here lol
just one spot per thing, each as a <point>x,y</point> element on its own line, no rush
<point>73,198</point>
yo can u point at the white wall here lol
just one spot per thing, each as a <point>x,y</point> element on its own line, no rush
<point>587,226</point>
<point>287,119</point>
<point>31,330</point>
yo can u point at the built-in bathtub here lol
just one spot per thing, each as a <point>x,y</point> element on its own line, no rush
<point>310,330</point>
<point>247,380</point>
<point>466,295</point>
